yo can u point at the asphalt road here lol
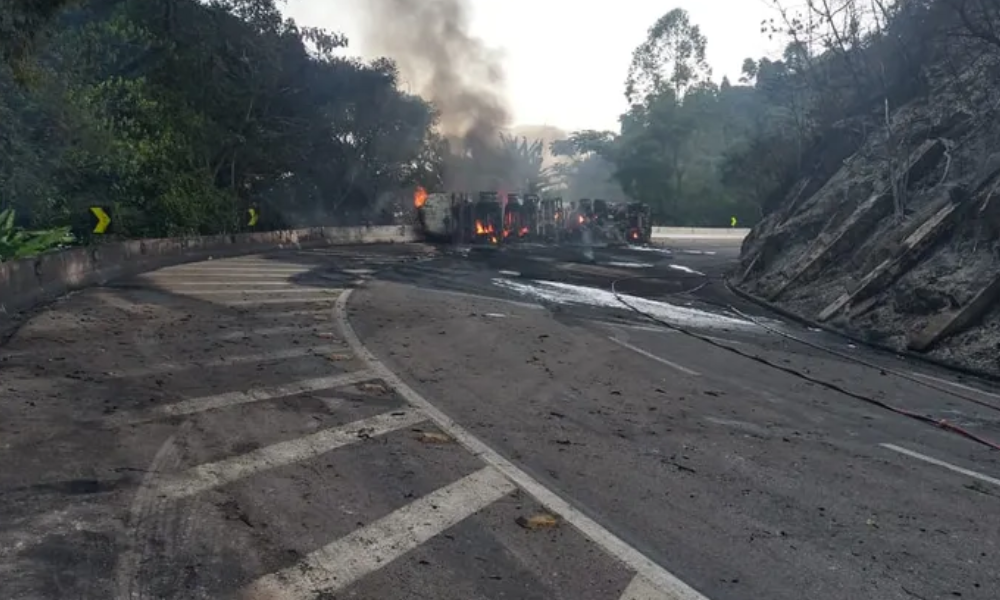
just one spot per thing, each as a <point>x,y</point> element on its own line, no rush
<point>405,422</point>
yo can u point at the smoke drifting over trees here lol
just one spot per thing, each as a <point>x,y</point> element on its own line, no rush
<point>440,59</point>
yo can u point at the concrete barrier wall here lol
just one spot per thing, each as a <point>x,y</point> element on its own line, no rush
<point>699,233</point>
<point>28,282</point>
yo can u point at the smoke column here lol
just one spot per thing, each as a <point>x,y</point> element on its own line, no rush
<point>444,63</point>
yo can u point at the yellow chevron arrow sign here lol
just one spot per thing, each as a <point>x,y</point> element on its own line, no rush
<point>103,220</point>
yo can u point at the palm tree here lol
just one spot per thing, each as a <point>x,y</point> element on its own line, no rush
<point>524,164</point>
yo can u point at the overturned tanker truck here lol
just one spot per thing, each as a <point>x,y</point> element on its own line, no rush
<point>494,218</point>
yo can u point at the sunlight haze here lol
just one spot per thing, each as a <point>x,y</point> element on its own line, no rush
<point>565,61</point>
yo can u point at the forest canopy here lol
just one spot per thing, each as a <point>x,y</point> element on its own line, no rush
<point>182,114</point>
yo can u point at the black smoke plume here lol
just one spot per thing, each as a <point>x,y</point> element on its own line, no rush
<point>440,59</point>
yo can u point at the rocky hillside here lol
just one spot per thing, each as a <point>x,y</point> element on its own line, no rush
<point>894,236</point>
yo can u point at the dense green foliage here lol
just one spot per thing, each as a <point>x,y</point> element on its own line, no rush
<point>179,114</point>
<point>701,152</point>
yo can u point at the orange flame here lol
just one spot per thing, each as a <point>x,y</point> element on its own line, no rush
<point>419,197</point>
<point>484,229</point>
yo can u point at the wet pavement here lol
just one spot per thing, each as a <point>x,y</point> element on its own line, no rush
<point>460,423</point>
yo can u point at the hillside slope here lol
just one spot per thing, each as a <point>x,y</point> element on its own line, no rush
<point>904,252</point>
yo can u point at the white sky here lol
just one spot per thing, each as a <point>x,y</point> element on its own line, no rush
<point>566,61</point>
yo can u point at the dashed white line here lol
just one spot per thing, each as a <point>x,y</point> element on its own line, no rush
<point>205,403</point>
<point>664,580</point>
<point>941,463</point>
<point>641,589</point>
<point>210,475</point>
<point>652,356</point>
<point>343,562</point>
<point>225,361</point>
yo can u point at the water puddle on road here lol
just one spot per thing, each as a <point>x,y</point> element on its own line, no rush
<point>565,293</point>
<point>630,265</point>
<point>684,269</point>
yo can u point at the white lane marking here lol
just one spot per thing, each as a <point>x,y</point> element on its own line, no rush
<point>205,403</point>
<point>641,589</point>
<point>225,361</point>
<point>941,463</point>
<point>215,474</point>
<point>684,269</point>
<point>612,544</point>
<point>955,384</point>
<point>652,356</point>
<point>511,273</point>
<point>358,271</point>
<point>336,566</point>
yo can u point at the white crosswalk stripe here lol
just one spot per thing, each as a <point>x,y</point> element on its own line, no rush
<point>366,550</point>
<point>205,403</point>
<point>210,475</point>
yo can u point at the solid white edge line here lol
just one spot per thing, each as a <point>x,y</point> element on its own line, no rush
<point>941,463</point>
<point>612,544</point>
<point>215,474</point>
<point>337,565</point>
<point>641,589</point>
<point>652,356</point>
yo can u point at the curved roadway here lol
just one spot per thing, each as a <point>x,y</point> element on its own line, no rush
<point>403,422</point>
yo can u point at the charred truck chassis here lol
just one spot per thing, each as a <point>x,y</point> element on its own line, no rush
<point>492,218</point>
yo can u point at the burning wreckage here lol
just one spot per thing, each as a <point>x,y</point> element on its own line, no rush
<point>495,218</point>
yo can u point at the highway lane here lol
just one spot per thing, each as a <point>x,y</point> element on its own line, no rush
<point>381,422</point>
<point>745,480</point>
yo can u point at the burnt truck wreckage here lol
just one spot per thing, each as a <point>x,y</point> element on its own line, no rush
<point>495,218</point>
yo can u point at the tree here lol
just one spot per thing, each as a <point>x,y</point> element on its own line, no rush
<point>182,113</point>
<point>671,58</point>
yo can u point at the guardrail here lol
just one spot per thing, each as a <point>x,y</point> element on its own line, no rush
<point>27,282</point>
<point>699,233</point>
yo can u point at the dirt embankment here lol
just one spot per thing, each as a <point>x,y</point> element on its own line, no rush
<point>898,243</point>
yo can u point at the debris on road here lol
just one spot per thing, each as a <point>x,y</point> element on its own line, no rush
<point>431,437</point>
<point>373,387</point>
<point>538,521</point>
